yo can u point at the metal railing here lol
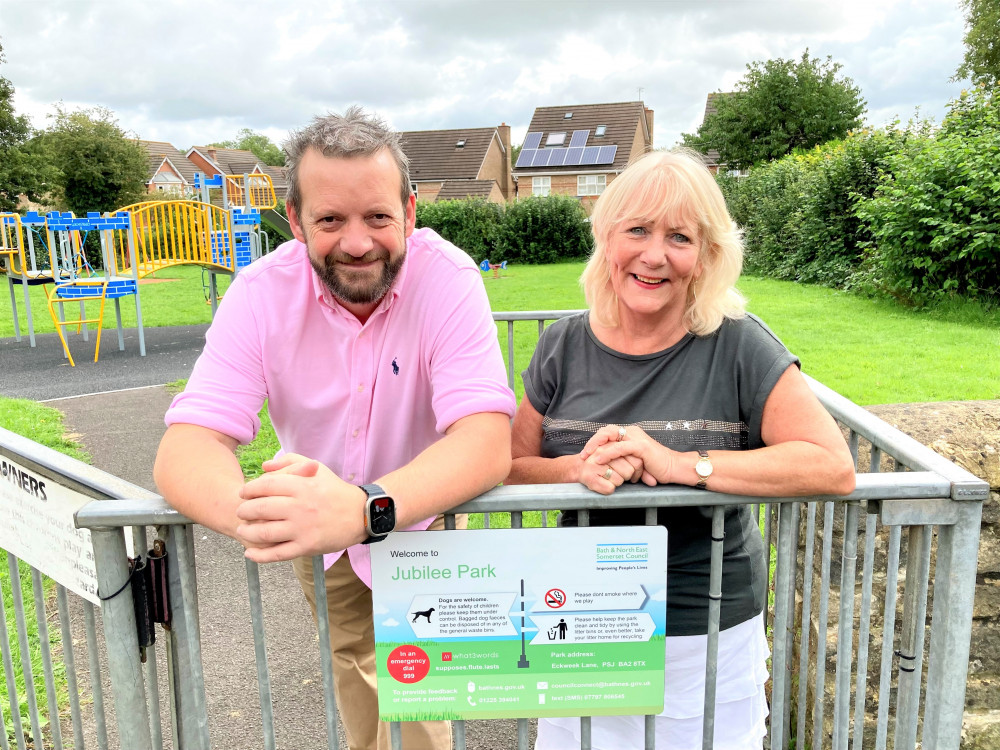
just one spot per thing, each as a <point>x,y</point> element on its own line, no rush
<point>918,553</point>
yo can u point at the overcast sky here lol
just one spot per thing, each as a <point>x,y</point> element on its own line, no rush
<point>196,72</point>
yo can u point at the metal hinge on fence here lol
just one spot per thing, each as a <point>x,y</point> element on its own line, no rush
<point>150,594</point>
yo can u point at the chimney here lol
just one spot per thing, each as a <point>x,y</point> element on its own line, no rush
<point>504,131</point>
<point>211,153</point>
<point>508,182</point>
<point>649,123</point>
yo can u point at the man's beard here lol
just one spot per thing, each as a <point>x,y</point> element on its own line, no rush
<point>353,288</point>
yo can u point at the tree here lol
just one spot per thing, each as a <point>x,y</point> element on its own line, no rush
<point>262,146</point>
<point>780,106</point>
<point>981,63</point>
<point>22,165</point>
<point>101,169</point>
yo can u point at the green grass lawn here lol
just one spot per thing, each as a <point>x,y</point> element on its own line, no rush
<point>43,425</point>
<point>873,352</point>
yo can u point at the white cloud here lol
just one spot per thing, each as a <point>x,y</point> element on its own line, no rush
<point>192,72</point>
<point>390,623</point>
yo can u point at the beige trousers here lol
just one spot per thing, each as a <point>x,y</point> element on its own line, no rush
<point>352,641</point>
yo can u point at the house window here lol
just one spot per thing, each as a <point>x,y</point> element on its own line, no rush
<point>568,116</point>
<point>555,139</point>
<point>591,184</point>
<point>413,189</point>
<point>601,130</point>
<point>541,185</point>
<point>460,144</point>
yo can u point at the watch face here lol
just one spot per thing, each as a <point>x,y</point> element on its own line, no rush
<point>382,516</point>
<point>703,468</point>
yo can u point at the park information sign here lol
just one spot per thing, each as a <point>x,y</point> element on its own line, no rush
<point>520,622</point>
<point>36,525</point>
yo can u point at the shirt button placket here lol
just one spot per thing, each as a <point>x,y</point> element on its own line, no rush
<point>362,376</point>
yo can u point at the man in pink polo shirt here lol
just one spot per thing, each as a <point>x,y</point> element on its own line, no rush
<point>375,349</point>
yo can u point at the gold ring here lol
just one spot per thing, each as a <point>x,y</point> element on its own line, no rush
<point>621,433</point>
<point>607,473</point>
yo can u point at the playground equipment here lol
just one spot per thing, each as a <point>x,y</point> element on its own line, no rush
<point>495,267</point>
<point>135,241</point>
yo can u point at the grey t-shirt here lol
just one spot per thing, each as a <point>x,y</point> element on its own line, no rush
<point>705,392</point>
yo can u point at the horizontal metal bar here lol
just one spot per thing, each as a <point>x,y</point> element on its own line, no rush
<point>139,511</point>
<point>534,315</point>
<point>929,512</point>
<point>913,486</point>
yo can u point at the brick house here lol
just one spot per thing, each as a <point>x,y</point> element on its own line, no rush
<point>579,149</point>
<point>212,161</point>
<point>169,169</point>
<point>464,163</point>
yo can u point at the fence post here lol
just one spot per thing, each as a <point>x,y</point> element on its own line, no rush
<point>187,677</point>
<point>951,628</point>
<point>118,616</point>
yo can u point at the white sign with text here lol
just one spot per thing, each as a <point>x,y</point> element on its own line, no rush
<point>36,525</point>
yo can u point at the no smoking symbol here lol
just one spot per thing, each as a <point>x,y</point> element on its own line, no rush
<point>555,598</point>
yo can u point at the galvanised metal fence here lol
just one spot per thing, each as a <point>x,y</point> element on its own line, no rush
<point>870,663</point>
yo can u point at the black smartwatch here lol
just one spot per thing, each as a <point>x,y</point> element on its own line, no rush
<point>380,513</point>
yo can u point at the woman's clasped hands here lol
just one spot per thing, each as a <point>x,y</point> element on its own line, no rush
<point>624,453</point>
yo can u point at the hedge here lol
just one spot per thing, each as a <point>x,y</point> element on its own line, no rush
<point>905,212</point>
<point>532,230</point>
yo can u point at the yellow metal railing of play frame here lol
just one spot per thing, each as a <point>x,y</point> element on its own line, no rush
<point>11,248</point>
<point>99,294</point>
<point>261,190</point>
<point>171,233</point>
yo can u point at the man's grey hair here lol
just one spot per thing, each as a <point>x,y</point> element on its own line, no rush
<point>352,134</point>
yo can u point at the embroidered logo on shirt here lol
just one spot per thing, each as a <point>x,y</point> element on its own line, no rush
<point>395,367</point>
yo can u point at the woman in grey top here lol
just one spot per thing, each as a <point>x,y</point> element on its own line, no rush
<point>666,380</point>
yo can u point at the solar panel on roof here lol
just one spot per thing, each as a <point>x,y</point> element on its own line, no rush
<point>532,140</point>
<point>590,155</point>
<point>541,157</point>
<point>579,138</point>
<point>573,156</point>
<point>524,158</point>
<point>607,155</point>
<point>557,157</point>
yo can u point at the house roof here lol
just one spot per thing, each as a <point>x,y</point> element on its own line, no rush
<point>711,156</point>
<point>436,155</point>
<point>160,150</point>
<point>459,189</point>
<point>233,161</point>
<point>620,120</point>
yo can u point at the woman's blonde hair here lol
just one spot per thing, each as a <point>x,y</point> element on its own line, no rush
<point>677,187</point>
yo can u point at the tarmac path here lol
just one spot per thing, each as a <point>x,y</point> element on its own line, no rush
<point>115,408</point>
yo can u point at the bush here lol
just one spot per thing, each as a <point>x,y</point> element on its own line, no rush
<point>767,205</point>
<point>936,219</point>
<point>799,213</point>
<point>469,224</point>
<point>832,238</point>
<point>544,230</point>
<point>533,230</point>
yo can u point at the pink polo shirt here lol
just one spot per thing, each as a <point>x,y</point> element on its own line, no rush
<point>363,399</point>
